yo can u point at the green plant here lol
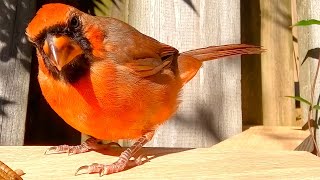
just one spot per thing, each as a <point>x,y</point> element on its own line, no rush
<point>310,103</point>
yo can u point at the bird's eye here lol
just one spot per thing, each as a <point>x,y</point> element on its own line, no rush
<point>74,22</point>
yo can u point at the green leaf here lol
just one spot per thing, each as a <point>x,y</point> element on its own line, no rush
<point>307,22</point>
<point>317,107</point>
<point>298,98</point>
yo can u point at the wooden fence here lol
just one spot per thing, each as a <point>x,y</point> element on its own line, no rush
<point>15,60</point>
<point>224,97</point>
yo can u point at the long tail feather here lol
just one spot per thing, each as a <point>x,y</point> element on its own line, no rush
<point>216,52</point>
<point>189,62</point>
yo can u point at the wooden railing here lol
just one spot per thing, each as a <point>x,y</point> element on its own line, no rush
<point>258,152</point>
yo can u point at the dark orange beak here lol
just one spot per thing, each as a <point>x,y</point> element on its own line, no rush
<point>61,50</point>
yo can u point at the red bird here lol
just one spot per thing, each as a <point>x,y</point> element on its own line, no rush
<point>108,80</point>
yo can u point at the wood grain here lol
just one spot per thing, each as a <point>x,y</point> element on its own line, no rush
<point>251,87</point>
<point>15,59</point>
<point>308,39</point>
<point>277,63</point>
<point>256,153</point>
<point>268,138</point>
<point>211,103</point>
<point>203,163</point>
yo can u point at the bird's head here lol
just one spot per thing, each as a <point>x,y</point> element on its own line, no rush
<point>65,39</point>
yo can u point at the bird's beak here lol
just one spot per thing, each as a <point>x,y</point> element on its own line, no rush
<point>61,50</point>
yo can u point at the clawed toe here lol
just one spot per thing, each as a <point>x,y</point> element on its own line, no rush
<point>141,159</point>
<point>113,144</point>
<point>80,169</point>
<point>49,150</point>
<point>123,160</point>
<point>93,168</point>
<point>86,146</point>
<point>66,149</point>
<point>117,166</point>
<point>121,163</point>
<point>57,149</point>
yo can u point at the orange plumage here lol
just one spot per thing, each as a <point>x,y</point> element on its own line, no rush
<point>118,83</point>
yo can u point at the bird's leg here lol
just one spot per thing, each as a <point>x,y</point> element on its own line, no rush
<point>88,145</point>
<point>121,163</point>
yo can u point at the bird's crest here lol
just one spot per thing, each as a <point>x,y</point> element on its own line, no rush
<point>49,15</point>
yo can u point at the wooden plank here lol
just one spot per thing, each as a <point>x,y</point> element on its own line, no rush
<point>211,103</point>
<point>268,138</point>
<point>296,60</point>
<point>308,38</point>
<point>294,15</point>
<point>203,163</point>
<point>251,87</point>
<point>15,58</point>
<point>277,63</point>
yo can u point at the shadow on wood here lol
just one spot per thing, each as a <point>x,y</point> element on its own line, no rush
<point>12,43</point>
<point>15,60</point>
<point>251,84</point>
<point>206,123</point>
<point>147,153</point>
<point>3,103</point>
<point>204,163</point>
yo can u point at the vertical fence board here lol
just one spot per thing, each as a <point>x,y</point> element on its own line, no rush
<point>296,60</point>
<point>211,103</point>
<point>15,58</point>
<point>277,64</point>
<point>308,38</point>
<point>251,89</point>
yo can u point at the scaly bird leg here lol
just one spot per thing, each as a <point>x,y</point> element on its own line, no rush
<point>121,163</point>
<point>88,145</point>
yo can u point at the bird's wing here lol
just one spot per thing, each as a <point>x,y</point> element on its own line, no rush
<point>148,66</point>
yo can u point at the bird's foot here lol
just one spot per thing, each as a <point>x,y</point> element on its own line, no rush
<point>104,169</point>
<point>122,162</point>
<point>141,159</point>
<point>89,144</point>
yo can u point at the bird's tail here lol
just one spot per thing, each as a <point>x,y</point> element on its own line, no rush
<point>189,62</point>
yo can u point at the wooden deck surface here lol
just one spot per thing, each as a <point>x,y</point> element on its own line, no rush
<point>269,138</point>
<point>167,163</point>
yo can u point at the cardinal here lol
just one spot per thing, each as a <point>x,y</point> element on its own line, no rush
<point>108,80</point>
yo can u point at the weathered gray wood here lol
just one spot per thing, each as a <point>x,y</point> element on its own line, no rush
<point>15,59</point>
<point>308,38</point>
<point>211,103</point>
<point>277,64</point>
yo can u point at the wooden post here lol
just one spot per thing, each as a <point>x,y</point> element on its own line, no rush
<point>251,88</point>
<point>211,103</point>
<point>277,64</point>
<point>15,59</point>
<point>308,38</point>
